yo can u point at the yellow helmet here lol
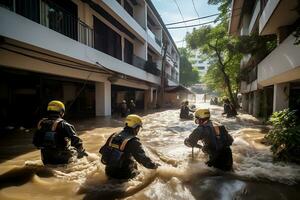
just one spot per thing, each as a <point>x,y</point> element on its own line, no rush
<point>56,106</point>
<point>133,121</point>
<point>202,113</point>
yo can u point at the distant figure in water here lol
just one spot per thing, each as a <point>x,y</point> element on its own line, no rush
<point>124,109</point>
<point>57,138</point>
<point>216,141</point>
<point>132,107</point>
<point>122,148</point>
<point>185,111</point>
<point>229,109</point>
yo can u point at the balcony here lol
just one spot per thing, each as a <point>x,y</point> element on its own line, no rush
<point>56,18</point>
<point>154,41</point>
<point>171,78</point>
<point>125,18</point>
<point>254,17</point>
<point>277,13</point>
<point>281,65</point>
<point>151,67</point>
<point>51,37</point>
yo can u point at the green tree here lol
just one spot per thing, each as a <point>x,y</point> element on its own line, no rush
<point>213,42</point>
<point>188,74</point>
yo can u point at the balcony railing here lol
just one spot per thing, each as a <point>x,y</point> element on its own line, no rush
<point>154,37</point>
<point>53,16</point>
<point>151,67</point>
<point>172,78</point>
<point>138,62</point>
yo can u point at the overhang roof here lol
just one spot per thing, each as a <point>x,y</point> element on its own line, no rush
<point>179,88</point>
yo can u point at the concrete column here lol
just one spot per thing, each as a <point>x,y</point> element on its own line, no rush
<point>245,102</point>
<point>147,99</point>
<point>250,103</point>
<point>256,103</point>
<point>281,96</point>
<point>151,95</point>
<point>103,98</point>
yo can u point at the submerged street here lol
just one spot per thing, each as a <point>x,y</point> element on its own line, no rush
<point>180,176</point>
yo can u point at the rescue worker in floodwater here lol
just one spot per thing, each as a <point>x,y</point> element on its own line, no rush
<point>215,138</point>
<point>229,109</point>
<point>57,138</point>
<point>120,149</point>
<point>185,111</point>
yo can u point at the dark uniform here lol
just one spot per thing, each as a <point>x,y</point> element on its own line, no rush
<point>57,140</point>
<point>124,109</point>
<point>185,112</point>
<point>118,153</point>
<point>229,110</point>
<point>216,141</point>
<point>132,107</point>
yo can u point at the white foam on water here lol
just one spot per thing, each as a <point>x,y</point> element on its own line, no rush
<point>172,189</point>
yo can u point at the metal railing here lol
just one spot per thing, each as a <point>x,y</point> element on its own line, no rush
<point>138,62</point>
<point>151,67</point>
<point>53,16</point>
<point>172,78</point>
<point>60,20</point>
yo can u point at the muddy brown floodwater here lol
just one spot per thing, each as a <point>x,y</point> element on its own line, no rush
<point>255,176</point>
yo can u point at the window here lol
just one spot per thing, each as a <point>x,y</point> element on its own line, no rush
<point>107,40</point>
<point>128,8</point>
<point>128,52</point>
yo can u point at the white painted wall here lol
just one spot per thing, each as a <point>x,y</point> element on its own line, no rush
<point>121,14</point>
<point>22,29</point>
<point>281,96</point>
<point>285,58</point>
<point>152,43</point>
<point>103,98</point>
<point>245,87</point>
<point>139,14</point>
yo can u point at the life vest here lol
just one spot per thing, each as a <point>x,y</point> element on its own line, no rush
<point>47,138</point>
<point>112,153</point>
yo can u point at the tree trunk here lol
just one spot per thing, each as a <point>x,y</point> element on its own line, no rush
<point>228,85</point>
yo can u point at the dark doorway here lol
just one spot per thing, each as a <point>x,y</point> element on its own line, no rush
<point>24,97</point>
<point>120,93</point>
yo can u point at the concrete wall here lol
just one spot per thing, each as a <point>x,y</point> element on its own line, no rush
<point>22,29</point>
<point>103,98</point>
<point>281,65</point>
<point>281,96</point>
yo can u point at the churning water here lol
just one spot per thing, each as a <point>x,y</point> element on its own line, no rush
<point>180,176</point>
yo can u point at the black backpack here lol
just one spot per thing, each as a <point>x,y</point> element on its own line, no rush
<point>46,138</point>
<point>223,138</point>
<point>112,152</point>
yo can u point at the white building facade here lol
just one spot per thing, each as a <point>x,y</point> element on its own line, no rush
<point>198,62</point>
<point>273,81</point>
<point>89,54</point>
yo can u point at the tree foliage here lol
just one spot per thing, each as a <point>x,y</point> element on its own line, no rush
<point>188,74</point>
<point>214,43</point>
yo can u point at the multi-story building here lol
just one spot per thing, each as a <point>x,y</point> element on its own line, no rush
<point>89,54</point>
<point>198,62</point>
<point>272,79</point>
